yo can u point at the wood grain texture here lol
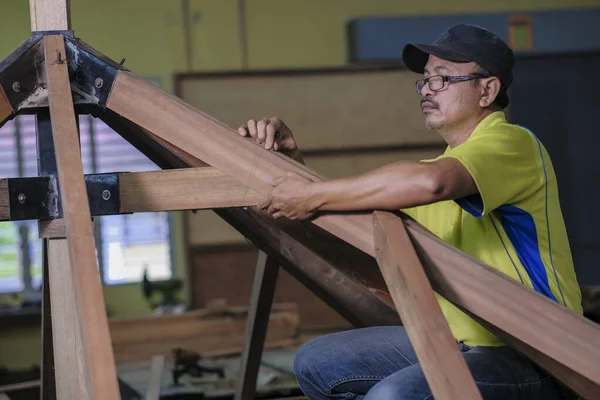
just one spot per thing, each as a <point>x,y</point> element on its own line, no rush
<point>50,15</point>
<point>561,335</point>
<point>5,108</point>
<point>439,356</point>
<point>52,229</point>
<point>4,201</point>
<point>70,366</point>
<point>100,374</point>
<point>222,147</point>
<point>183,189</point>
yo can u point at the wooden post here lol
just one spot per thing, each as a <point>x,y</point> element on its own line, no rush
<point>263,291</point>
<point>98,369</point>
<point>50,15</point>
<point>438,353</point>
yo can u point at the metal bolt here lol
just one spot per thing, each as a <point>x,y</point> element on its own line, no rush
<point>106,194</point>
<point>22,198</point>
<point>98,83</point>
<point>58,59</point>
<point>16,86</point>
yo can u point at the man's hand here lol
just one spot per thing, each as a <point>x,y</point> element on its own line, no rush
<point>291,198</point>
<point>273,134</point>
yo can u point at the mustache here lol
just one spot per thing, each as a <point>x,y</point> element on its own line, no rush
<point>430,101</point>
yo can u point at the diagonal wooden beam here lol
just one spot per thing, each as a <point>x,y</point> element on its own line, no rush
<point>439,356</point>
<point>50,15</point>
<point>526,316</point>
<point>100,379</point>
<point>202,137</point>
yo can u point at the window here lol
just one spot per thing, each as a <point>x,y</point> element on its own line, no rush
<point>126,244</point>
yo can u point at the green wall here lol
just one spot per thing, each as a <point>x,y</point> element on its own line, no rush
<point>279,33</point>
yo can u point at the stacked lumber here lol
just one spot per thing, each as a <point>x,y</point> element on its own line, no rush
<point>209,332</point>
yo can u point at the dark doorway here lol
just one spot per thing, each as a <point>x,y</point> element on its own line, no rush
<point>555,96</point>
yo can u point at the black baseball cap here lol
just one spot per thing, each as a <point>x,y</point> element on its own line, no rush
<point>466,43</point>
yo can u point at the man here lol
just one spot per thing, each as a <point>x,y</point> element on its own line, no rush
<point>493,194</point>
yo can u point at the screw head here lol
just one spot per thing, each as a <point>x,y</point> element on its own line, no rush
<point>16,86</point>
<point>106,194</point>
<point>22,198</point>
<point>98,83</point>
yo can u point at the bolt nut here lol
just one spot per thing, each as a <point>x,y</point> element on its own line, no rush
<point>16,86</point>
<point>106,194</point>
<point>98,83</point>
<point>22,198</point>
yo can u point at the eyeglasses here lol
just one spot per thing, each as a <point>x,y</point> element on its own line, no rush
<point>439,82</point>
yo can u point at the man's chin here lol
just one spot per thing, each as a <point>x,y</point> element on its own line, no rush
<point>432,123</point>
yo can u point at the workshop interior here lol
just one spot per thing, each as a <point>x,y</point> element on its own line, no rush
<point>194,292</point>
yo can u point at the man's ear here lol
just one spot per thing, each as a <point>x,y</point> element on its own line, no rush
<point>490,89</point>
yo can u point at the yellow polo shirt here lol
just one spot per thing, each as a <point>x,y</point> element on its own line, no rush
<point>514,224</point>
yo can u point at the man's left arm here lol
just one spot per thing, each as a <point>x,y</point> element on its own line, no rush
<point>391,187</point>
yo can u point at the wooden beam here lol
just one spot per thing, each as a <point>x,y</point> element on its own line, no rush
<point>220,146</point>
<point>182,189</point>
<point>98,362</point>
<point>52,229</point>
<point>263,291</point>
<point>4,201</point>
<point>439,356</point>
<point>50,15</point>
<point>70,366</point>
<point>5,107</point>
<point>202,137</point>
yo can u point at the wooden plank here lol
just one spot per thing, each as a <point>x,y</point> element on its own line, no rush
<point>439,356</point>
<point>204,332</point>
<point>48,389</point>
<point>99,367</point>
<point>182,189</point>
<point>71,368</point>
<point>5,107</point>
<point>222,147</point>
<point>263,291</point>
<point>50,15</point>
<point>4,201</point>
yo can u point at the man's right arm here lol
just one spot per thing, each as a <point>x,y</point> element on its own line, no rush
<point>273,134</point>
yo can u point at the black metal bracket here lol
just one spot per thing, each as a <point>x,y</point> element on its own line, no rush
<point>21,73</point>
<point>37,197</point>
<point>91,73</point>
<point>23,76</point>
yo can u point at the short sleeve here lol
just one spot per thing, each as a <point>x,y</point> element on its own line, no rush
<point>505,165</point>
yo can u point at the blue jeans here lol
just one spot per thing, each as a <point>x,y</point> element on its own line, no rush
<point>379,363</point>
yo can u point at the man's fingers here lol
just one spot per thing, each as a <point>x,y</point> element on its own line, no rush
<point>270,138</point>
<point>261,128</point>
<point>243,130</point>
<point>264,204</point>
<point>252,128</point>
